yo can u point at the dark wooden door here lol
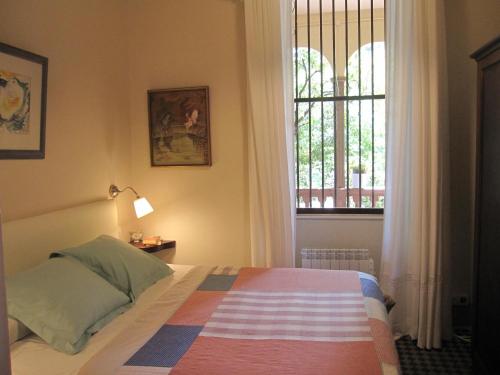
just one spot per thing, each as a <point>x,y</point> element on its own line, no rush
<point>486,333</point>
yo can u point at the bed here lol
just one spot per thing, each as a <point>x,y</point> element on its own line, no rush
<point>218,319</point>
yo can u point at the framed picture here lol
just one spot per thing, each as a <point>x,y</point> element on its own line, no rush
<point>179,126</point>
<point>23,103</point>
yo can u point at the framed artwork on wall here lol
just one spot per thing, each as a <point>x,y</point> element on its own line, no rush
<point>23,103</point>
<point>179,126</point>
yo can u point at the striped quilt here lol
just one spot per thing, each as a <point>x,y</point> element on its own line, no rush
<point>274,321</point>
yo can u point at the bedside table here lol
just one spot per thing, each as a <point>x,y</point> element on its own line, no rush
<point>165,244</point>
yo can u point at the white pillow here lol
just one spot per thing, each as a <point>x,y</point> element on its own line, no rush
<point>17,330</point>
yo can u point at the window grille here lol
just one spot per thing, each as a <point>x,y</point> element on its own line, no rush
<point>339,89</point>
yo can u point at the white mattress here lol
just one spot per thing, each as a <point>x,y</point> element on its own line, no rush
<point>33,356</point>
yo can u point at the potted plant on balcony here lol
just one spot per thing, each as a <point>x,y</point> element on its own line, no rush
<point>357,172</point>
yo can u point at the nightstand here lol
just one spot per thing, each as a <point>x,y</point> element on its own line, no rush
<point>165,244</point>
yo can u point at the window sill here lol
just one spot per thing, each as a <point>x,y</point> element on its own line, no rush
<point>341,217</point>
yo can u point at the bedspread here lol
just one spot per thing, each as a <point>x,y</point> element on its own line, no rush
<point>273,321</point>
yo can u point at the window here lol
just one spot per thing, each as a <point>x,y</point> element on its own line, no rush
<point>339,83</point>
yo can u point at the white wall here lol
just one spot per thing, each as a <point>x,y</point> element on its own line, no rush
<point>87,129</point>
<point>103,56</point>
<point>205,209</point>
<point>340,231</point>
<point>181,44</point>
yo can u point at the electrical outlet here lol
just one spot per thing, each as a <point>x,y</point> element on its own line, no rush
<point>460,300</point>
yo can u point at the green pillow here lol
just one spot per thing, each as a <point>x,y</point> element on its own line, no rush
<point>63,302</point>
<point>129,269</point>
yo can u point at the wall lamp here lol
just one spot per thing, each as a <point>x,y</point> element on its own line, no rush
<point>141,205</point>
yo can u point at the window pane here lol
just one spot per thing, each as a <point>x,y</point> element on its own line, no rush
<point>340,146</point>
<point>316,155</point>
<point>303,154</point>
<point>309,71</point>
<point>366,70</point>
<point>329,153</point>
<point>379,130</point>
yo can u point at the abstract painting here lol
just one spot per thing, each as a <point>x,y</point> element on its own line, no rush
<point>179,126</point>
<point>23,90</point>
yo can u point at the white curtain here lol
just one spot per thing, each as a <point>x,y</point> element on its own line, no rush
<point>414,254</point>
<point>270,131</point>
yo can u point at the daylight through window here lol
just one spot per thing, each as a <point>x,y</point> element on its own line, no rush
<point>339,83</point>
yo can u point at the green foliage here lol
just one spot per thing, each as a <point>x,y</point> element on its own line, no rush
<point>315,125</point>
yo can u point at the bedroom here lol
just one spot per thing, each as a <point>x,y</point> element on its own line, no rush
<point>103,58</point>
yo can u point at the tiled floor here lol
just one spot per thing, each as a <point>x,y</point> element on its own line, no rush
<point>454,358</point>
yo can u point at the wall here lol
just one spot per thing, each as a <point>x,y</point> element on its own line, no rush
<point>190,43</point>
<point>340,231</point>
<point>181,44</point>
<point>469,25</point>
<point>87,131</point>
<point>169,44</point>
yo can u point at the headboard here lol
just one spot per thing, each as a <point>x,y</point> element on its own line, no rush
<point>28,242</point>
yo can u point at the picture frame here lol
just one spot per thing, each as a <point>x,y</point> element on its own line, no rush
<point>23,103</point>
<point>179,127</point>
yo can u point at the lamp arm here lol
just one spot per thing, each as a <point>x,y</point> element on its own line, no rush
<point>141,205</point>
<point>114,191</point>
<point>133,190</point>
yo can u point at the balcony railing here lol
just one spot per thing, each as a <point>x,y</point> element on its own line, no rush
<point>312,198</point>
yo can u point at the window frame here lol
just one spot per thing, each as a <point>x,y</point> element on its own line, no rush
<point>334,99</point>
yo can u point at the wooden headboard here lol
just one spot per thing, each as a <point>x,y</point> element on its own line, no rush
<point>28,242</point>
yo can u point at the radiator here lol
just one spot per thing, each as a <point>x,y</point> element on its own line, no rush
<point>338,259</point>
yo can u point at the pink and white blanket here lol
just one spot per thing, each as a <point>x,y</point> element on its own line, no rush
<point>274,321</point>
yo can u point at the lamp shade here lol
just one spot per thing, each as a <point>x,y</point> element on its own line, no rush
<point>142,207</point>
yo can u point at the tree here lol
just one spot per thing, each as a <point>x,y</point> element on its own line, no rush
<point>315,121</point>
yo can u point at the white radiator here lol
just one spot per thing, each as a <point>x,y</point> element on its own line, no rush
<point>338,259</point>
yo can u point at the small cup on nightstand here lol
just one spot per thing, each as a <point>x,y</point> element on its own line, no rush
<point>136,237</point>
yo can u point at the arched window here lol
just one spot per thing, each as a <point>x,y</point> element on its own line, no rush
<point>314,124</point>
<point>339,113</point>
<point>308,64</point>
<point>364,56</point>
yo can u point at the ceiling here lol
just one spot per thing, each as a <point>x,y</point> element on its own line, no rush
<point>339,5</point>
